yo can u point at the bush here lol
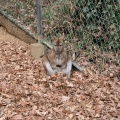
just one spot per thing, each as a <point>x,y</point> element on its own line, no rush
<point>85,22</point>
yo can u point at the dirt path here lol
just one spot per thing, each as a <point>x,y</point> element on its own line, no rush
<point>5,36</point>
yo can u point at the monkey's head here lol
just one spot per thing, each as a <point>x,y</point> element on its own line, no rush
<point>58,44</point>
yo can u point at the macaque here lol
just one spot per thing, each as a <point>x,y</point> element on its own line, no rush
<point>57,60</point>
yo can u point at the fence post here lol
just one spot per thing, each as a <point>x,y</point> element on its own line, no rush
<point>39,17</point>
<point>37,49</point>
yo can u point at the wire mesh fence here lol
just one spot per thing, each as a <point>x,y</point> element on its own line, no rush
<point>21,10</point>
<point>91,28</point>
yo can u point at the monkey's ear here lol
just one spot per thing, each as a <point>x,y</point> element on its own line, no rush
<point>54,39</point>
<point>62,37</point>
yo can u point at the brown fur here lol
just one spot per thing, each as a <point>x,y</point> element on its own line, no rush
<point>57,58</point>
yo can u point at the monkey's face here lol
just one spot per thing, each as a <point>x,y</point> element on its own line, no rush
<point>58,45</point>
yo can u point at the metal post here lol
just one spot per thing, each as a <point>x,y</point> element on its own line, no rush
<point>39,19</point>
<point>37,49</point>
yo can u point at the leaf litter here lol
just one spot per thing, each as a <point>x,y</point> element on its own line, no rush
<point>27,93</point>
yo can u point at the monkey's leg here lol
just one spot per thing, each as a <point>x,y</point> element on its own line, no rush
<point>67,70</point>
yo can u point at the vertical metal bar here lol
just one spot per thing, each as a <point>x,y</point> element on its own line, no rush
<point>39,19</point>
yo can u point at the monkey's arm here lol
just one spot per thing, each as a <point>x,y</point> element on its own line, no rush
<point>68,68</point>
<point>47,66</point>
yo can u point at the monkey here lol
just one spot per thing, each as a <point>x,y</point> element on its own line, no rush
<point>57,60</point>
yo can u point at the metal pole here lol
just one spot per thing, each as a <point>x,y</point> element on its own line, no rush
<point>37,49</point>
<point>39,19</point>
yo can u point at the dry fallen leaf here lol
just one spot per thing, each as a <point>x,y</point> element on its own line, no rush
<point>65,98</point>
<point>26,92</point>
<point>17,117</point>
<point>3,118</point>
